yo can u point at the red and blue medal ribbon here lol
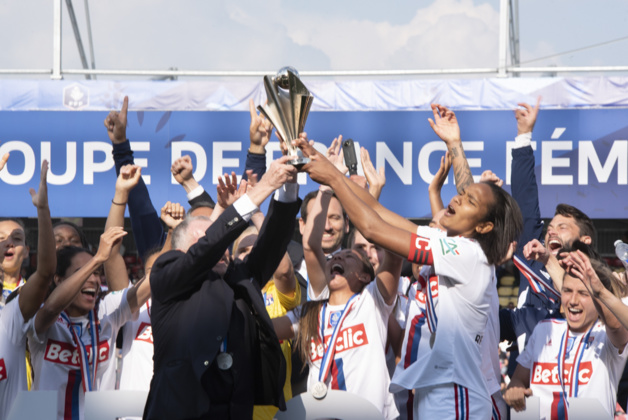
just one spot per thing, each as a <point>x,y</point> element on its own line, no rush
<point>330,351</point>
<point>575,368</point>
<point>88,371</point>
<point>430,306</point>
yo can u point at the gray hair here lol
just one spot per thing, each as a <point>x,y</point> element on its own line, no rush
<point>180,235</point>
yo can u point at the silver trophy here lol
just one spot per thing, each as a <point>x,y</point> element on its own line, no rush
<point>287,108</point>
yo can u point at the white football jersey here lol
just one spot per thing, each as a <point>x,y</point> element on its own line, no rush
<point>461,281</point>
<point>137,352</point>
<point>13,331</point>
<point>56,360</point>
<point>359,362</point>
<point>600,369</point>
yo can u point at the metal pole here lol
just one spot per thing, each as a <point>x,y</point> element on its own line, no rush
<point>77,35</point>
<point>503,38</point>
<point>89,36</point>
<point>56,41</point>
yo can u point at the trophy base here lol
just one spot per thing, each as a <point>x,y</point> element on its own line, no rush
<point>298,162</point>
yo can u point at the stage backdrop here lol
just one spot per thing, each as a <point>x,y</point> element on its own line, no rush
<point>581,137</point>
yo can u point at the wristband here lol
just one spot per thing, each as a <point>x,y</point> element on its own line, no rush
<point>118,204</point>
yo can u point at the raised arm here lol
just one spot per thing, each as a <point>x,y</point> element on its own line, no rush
<point>66,290</point>
<point>278,226</point>
<point>147,230</point>
<point>375,178</point>
<point>115,268</point>
<point>260,131</point>
<point>388,277</point>
<point>374,228</point>
<point>524,186</point>
<point>445,125</point>
<point>171,214</point>
<point>436,202</point>
<point>34,291</point>
<point>182,170</point>
<point>312,241</point>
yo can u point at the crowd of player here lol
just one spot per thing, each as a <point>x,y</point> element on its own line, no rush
<point>418,339</point>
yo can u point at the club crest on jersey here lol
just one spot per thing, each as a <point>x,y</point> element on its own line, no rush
<point>268,299</point>
<point>145,333</point>
<point>449,246</point>
<point>348,338</point>
<point>334,317</point>
<point>3,370</point>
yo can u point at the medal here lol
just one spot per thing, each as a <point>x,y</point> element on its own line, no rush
<point>224,361</point>
<point>319,390</point>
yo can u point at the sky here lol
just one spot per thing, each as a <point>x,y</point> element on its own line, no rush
<point>312,35</point>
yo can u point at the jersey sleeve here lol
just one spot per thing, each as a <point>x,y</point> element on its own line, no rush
<point>116,307</point>
<point>384,309</point>
<point>528,355</point>
<point>294,316</point>
<point>456,258</point>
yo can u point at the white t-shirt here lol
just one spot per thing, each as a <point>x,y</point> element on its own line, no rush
<point>359,362</point>
<point>601,365</point>
<point>56,359</point>
<point>13,331</point>
<point>137,352</point>
<point>461,282</point>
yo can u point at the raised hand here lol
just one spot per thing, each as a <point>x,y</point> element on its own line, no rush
<point>375,178</point>
<point>260,130</point>
<point>441,175</point>
<point>526,116</point>
<point>128,178</point>
<point>578,265</point>
<point>336,155</point>
<point>182,169</point>
<point>279,173</point>
<point>172,214</point>
<point>445,124</point>
<point>110,238</point>
<point>116,123</point>
<point>40,198</point>
<point>228,191</point>
<point>319,167</point>
<point>534,250</point>
<point>489,176</point>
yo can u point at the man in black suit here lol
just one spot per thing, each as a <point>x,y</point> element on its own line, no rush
<point>216,353</point>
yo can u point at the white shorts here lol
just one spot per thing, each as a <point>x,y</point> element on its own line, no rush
<point>499,408</point>
<point>450,402</point>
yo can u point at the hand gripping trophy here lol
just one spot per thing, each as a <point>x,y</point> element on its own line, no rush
<point>287,108</point>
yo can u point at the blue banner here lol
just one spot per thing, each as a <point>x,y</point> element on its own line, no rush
<point>581,155</point>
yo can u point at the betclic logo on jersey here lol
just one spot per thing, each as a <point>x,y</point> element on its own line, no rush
<point>348,338</point>
<point>3,370</point>
<point>145,333</point>
<point>547,373</point>
<point>67,354</point>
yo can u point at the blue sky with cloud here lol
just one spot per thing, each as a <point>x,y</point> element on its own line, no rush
<point>321,35</point>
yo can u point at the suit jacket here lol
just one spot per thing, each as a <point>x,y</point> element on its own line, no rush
<point>192,308</point>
